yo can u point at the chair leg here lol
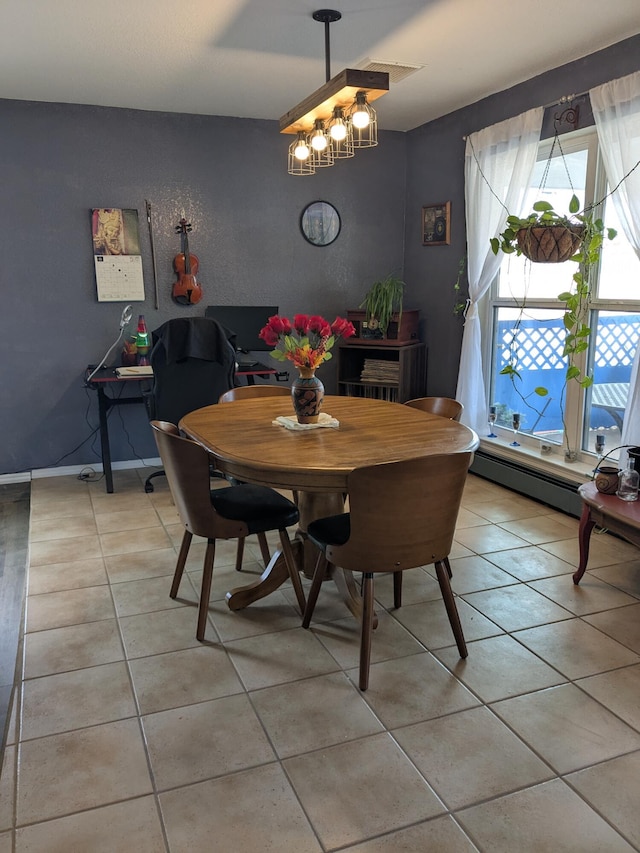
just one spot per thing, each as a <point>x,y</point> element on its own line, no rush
<point>240,554</point>
<point>292,566</point>
<point>397,590</point>
<point>205,590</point>
<point>442,571</point>
<point>264,549</point>
<point>182,559</point>
<point>316,583</point>
<point>366,629</point>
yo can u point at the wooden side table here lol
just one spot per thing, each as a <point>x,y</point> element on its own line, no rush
<point>618,516</point>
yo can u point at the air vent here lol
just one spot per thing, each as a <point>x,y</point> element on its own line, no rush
<point>396,70</point>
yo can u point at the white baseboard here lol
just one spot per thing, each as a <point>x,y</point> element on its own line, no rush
<point>66,470</point>
<point>23,477</point>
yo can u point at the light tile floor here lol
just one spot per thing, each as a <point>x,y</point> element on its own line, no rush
<point>129,735</point>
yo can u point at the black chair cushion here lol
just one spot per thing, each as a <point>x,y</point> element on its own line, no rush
<point>332,530</point>
<point>260,507</point>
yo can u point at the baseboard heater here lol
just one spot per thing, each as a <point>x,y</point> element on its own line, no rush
<point>553,491</point>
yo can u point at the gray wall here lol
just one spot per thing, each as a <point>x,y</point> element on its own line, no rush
<point>435,173</point>
<point>58,161</point>
<point>229,175</point>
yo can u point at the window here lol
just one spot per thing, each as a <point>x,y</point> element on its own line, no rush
<point>527,327</point>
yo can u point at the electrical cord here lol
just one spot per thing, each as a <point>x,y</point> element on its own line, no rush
<point>125,318</point>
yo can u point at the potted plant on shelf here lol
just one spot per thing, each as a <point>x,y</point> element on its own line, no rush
<point>383,300</point>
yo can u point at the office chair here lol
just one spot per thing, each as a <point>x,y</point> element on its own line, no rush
<point>193,364</point>
<point>402,515</point>
<point>445,407</point>
<point>227,513</point>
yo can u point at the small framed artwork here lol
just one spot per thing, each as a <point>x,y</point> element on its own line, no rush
<point>436,224</point>
<point>320,223</point>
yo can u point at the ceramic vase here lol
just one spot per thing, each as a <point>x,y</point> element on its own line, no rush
<point>307,394</point>
<point>607,480</point>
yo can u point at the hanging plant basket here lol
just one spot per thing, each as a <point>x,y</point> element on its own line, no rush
<point>550,244</point>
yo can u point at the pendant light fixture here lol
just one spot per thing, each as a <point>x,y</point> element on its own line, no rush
<point>300,161</point>
<point>337,118</point>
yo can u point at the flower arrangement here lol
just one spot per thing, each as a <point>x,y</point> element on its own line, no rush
<point>307,340</point>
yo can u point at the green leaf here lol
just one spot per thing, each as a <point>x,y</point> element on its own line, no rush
<point>565,296</point>
<point>574,204</point>
<point>495,245</point>
<point>509,370</point>
<point>586,382</point>
<point>572,372</point>
<point>540,391</point>
<point>541,206</point>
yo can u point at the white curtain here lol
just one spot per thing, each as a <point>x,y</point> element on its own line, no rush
<point>616,110</point>
<point>499,161</point>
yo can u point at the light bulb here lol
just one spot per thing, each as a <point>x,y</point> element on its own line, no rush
<point>301,150</point>
<point>360,118</point>
<point>318,139</point>
<point>337,126</point>
<point>338,131</point>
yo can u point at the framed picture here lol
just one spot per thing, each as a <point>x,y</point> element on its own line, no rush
<point>320,223</point>
<point>436,224</point>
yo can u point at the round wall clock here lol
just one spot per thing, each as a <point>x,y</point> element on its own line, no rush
<point>320,223</point>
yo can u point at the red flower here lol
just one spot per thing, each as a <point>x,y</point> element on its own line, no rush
<point>320,326</point>
<point>275,327</point>
<point>301,323</point>
<point>342,328</point>
<point>269,336</point>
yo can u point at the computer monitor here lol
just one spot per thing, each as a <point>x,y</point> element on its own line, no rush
<point>245,321</point>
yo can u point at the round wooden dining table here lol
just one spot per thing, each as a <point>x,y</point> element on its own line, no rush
<point>315,463</point>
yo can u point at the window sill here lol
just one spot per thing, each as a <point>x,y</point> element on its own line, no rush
<point>553,464</point>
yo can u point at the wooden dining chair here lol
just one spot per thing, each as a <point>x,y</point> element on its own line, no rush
<point>402,515</point>
<point>445,407</point>
<point>245,392</point>
<point>227,513</point>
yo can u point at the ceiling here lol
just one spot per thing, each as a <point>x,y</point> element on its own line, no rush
<point>259,58</point>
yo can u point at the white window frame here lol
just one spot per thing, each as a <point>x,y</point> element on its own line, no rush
<point>534,451</point>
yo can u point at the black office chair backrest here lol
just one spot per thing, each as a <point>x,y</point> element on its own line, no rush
<point>193,364</point>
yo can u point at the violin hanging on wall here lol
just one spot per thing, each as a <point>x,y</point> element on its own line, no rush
<point>186,290</point>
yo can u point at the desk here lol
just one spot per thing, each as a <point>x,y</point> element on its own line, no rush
<point>618,516</point>
<point>315,463</point>
<point>106,378</point>
<point>612,398</point>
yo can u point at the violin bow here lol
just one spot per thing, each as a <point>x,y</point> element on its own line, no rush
<point>153,253</point>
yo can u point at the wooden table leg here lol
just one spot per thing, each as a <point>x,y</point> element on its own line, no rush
<point>584,535</point>
<point>314,505</point>
<point>275,574</point>
<point>311,505</point>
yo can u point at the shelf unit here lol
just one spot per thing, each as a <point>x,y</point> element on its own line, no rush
<point>396,374</point>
